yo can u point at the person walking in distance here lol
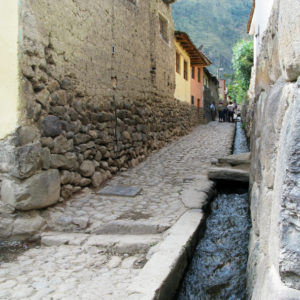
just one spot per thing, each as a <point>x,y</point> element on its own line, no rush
<point>220,111</point>
<point>212,111</point>
<point>225,113</point>
<point>230,108</point>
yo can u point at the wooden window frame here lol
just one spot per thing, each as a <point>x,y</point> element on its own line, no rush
<point>193,72</point>
<point>178,60</point>
<point>185,70</point>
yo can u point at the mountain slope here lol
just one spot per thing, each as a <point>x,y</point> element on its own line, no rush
<point>215,24</point>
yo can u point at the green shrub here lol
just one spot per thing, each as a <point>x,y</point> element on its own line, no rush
<point>242,61</point>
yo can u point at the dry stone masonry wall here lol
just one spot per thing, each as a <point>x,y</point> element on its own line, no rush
<point>273,119</point>
<point>97,83</point>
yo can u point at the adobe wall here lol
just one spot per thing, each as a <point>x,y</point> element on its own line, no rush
<point>273,119</point>
<point>96,92</point>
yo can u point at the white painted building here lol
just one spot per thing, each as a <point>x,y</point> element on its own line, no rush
<point>258,22</point>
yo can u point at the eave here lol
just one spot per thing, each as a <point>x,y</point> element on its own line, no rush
<point>251,17</point>
<point>169,1</point>
<point>197,57</point>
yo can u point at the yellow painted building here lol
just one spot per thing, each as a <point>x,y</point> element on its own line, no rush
<point>9,78</point>
<point>183,76</point>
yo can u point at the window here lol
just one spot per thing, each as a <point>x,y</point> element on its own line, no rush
<point>133,1</point>
<point>185,70</point>
<point>177,62</point>
<point>163,28</point>
<point>198,103</point>
<point>199,75</point>
<point>193,72</point>
<point>192,100</point>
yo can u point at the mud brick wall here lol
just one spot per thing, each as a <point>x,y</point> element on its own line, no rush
<point>97,85</point>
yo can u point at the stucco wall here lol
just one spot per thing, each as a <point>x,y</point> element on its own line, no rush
<point>197,87</point>
<point>183,86</point>
<point>273,115</point>
<point>9,81</point>
<point>260,22</point>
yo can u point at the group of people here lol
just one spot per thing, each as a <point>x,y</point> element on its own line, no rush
<point>226,112</point>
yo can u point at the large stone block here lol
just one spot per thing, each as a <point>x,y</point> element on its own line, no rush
<point>51,126</point>
<point>289,37</point>
<point>28,225</point>
<point>26,135</point>
<point>21,162</point>
<point>7,156</point>
<point>27,160</point>
<point>288,196</point>
<point>38,191</point>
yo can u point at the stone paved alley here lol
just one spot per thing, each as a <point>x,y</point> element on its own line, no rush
<point>96,245</point>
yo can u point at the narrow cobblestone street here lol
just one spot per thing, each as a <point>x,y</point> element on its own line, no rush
<point>96,245</point>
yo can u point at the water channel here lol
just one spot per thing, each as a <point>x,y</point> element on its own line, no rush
<point>218,268</point>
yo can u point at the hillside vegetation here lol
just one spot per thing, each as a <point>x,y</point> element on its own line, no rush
<point>215,24</point>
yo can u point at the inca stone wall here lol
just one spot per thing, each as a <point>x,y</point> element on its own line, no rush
<point>273,119</point>
<point>96,92</point>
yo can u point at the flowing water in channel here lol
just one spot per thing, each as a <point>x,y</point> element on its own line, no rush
<point>218,268</point>
<point>240,141</point>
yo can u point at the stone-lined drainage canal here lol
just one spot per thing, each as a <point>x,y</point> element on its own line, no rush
<point>218,267</point>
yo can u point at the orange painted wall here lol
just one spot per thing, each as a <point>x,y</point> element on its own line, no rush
<point>197,87</point>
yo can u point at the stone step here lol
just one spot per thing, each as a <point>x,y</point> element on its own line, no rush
<point>116,244</point>
<point>228,174</point>
<point>128,227</point>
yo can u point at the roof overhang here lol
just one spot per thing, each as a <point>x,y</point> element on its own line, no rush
<point>196,56</point>
<point>169,1</point>
<point>251,17</point>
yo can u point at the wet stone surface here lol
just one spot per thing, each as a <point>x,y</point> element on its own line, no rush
<point>240,141</point>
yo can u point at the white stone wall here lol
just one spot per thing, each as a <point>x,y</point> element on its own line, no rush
<point>273,117</point>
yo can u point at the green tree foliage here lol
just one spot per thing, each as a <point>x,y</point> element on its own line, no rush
<point>242,61</point>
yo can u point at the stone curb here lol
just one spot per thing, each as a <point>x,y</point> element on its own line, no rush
<point>162,274</point>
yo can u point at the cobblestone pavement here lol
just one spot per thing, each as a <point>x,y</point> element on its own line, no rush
<point>86,260</point>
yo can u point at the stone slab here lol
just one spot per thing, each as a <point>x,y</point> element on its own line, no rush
<point>58,239</point>
<point>125,244</point>
<point>236,159</point>
<point>228,174</point>
<point>118,244</point>
<point>123,191</point>
<point>197,192</point>
<point>128,227</point>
